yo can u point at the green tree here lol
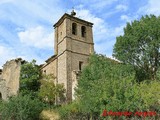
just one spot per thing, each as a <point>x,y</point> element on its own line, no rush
<point>108,84</point>
<point>29,78</point>
<point>21,108</point>
<point>140,46</point>
<point>49,91</point>
<point>103,84</point>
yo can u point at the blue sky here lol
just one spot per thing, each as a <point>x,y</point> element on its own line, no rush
<point>26,26</point>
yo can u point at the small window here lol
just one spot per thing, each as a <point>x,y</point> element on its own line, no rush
<point>44,71</point>
<point>74,28</point>
<point>83,31</point>
<point>80,65</point>
<point>0,96</point>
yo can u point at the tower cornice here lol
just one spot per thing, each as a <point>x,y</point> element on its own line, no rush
<point>71,17</point>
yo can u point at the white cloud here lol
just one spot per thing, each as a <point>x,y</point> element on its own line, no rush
<point>38,37</point>
<point>152,7</point>
<point>117,9</point>
<point>99,28</point>
<point>125,18</point>
<point>27,13</point>
<point>128,18</point>
<point>6,54</point>
<point>9,54</point>
<point>97,4</point>
<point>101,3</point>
<point>117,31</point>
<point>121,7</point>
<point>109,39</point>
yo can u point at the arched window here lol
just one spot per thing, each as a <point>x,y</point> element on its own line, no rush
<point>74,28</point>
<point>83,31</point>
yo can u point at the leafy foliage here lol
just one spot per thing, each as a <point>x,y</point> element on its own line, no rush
<point>140,46</point>
<point>29,78</point>
<point>150,94</point>
<point>21,108</point>
<point>49,92</point>
<point>107,84</point>
<point>69,111</point>
<point>100,82</point>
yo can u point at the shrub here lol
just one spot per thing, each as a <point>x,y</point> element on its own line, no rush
<point>21,108</point>
<point>71,112</point>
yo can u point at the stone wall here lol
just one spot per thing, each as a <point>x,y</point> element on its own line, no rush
<point>49,67</point>
<point>9,83</point>
<point>3,89</point>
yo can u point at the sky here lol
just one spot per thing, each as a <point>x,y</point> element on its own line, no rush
<point>26,26</point>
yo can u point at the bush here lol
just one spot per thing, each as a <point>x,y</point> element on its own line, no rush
<point>71,112</point>
<point>21,108</point>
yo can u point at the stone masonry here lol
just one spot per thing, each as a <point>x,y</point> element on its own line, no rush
<point>9,78</point>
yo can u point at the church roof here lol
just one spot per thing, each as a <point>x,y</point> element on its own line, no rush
<point>70,16</point>
<point>50,59</point>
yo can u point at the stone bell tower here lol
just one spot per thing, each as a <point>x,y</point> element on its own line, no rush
<point>73,45</point>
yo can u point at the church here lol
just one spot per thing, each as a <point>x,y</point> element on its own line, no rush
<point>73,45</point>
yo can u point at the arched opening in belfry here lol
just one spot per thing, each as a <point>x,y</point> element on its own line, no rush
<point>0,96</point>
<point>74,28</point>
<point>83,31</point>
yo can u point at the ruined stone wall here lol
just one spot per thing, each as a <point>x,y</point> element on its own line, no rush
<point>9,84</point>
<point>3,89</point>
